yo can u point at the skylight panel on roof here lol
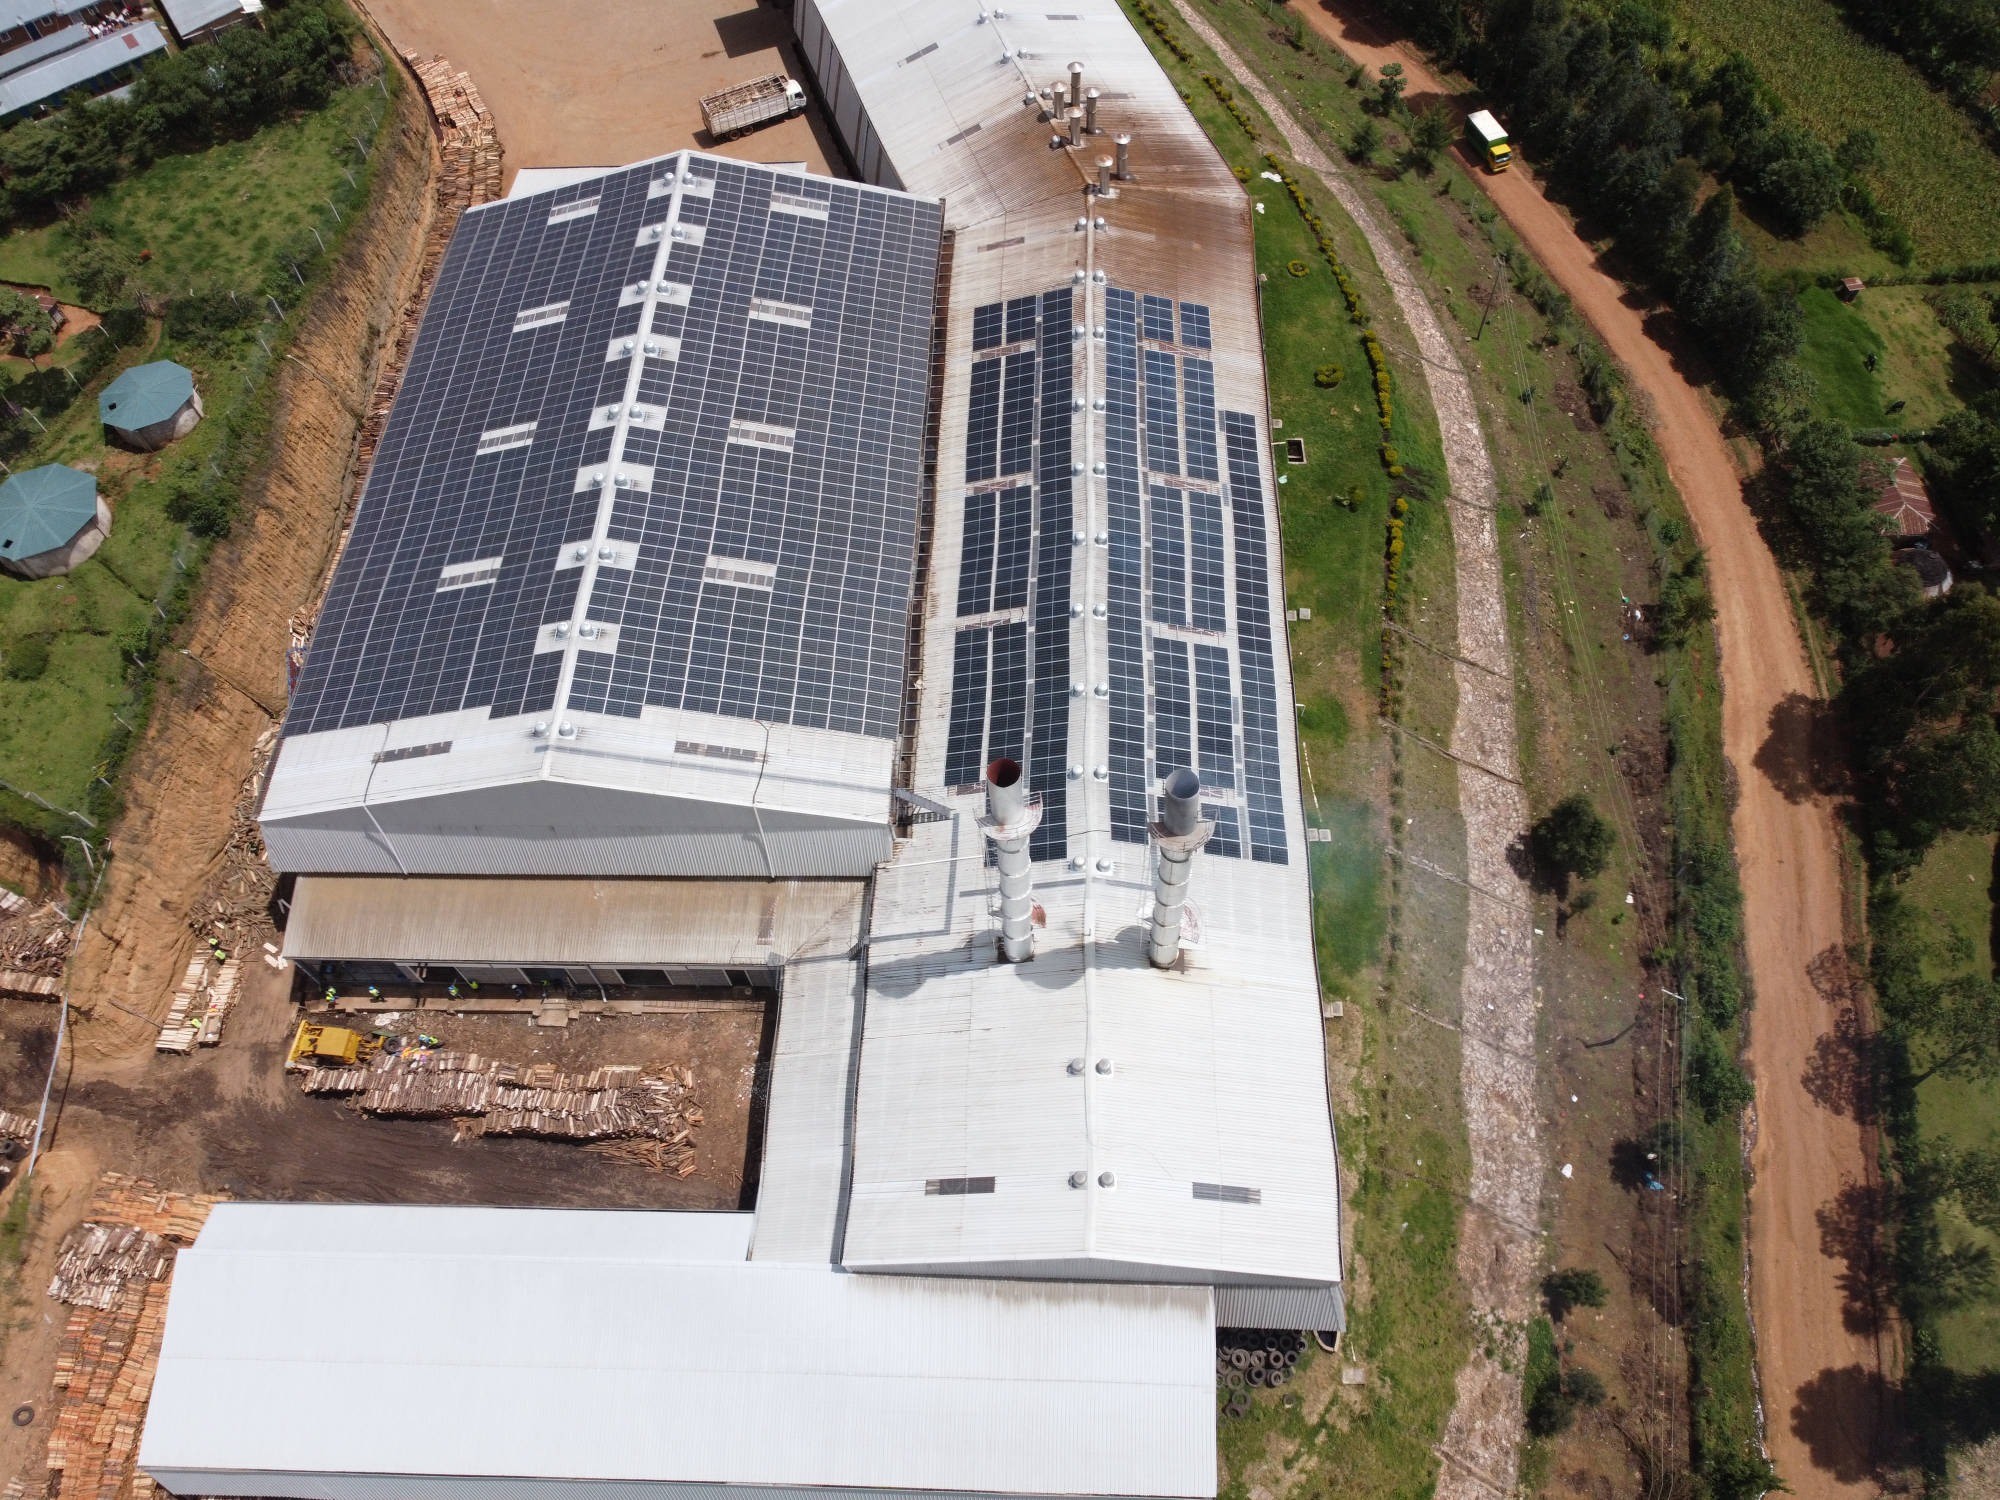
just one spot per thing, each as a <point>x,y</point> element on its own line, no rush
<point>540,317</point>
<point>582,208</point>
<point>499,439</point>
<point>466,575</point>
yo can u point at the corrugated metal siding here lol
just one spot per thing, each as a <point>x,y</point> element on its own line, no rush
<point>83,65</point>
<point>579,1356</point>
<point>1322,1309</point>
<point>614,923</point>
<point>283,1486</point>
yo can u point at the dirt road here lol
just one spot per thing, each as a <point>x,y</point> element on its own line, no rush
<point>1820,1352</point>
<point>614,81</point>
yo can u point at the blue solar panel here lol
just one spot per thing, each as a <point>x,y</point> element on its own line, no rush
<point>1048,752</point>
<point>1215,717</point>
<point>1007,722</point>
<point>975,558</point>
<point>1169,552</point>
<point>1206,562</point>
<point>1158,313</point>
<point>1263,779</point>
<point>1131,796</point>
<point>1017,420</point>
<point>1199,397</point>
<point>982,422</point>
<point>986,324</point>
<point>965,736</point>
<point>1228,836</point>
<point>1194,325</point>
<point>1173,713</point>
<point>831,512</point>
<point>1020,319</point>
<point>1163,417</point>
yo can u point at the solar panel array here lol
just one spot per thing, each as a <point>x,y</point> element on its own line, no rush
<point>1014,556</point>
<point>746,530</point>
<point>1187,564</point>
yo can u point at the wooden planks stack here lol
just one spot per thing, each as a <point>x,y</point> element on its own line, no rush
<point>34,943</point>
<point>221,1000</point>
<point>30,986</point>
<point>177,1032</point>
<point>15,1127</point>
<point>111,1347</point>
<point>490,1097</point>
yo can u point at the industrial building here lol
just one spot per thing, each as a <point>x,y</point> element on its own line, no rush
<point>869,592</point>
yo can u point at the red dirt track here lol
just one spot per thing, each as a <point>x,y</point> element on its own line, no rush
<point>1824,1356</point>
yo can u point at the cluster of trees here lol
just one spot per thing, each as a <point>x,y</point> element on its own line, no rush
<point>183,101</point>
<point>1632,127</point>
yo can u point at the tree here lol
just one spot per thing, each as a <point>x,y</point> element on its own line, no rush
<point>1365,142</point>
<point>1715,1081</point>
<point>1553,1408</point>
<point>1859,152</point>
<point>1430,133</point>
<point>100,266</point>
<point>24,325</point>
<point>1573,840</point>
<point>1793,175</point>
<point>1949,781</point>
<point>1566,1290</point>
<point>1958,1020</point>
<point>1685,604</point>
<point>1389,87</point>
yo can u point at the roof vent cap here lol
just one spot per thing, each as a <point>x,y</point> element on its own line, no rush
<point>607,553</point>
<point>1076,1067</point>
<point>1107,1179</point>
<point>541,728</point>
<point>582,551</point>
<point>1079,1179</point>
<point>1104,1063</point>
<point>560,630</point>
<point>565,730</point>
<point>1076,771</point>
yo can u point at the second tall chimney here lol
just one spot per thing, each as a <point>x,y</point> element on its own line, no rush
<point>1010,819</point>
<point>1076,83</point>
<point>1090,110</point>
<point>1177,838</point>
<point>1124,158</point>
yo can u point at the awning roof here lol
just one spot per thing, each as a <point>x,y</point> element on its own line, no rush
<point>603,923</point>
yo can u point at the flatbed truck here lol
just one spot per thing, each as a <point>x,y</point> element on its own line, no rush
<point>748,105</point>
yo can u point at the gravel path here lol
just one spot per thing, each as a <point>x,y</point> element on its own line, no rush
<point>1499,1254</point>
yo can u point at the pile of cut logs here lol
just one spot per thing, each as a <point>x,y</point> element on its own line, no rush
<point>115,1270</point>
<point>34,942</point>
<point>199,1007</point>
<point>489,1097</point>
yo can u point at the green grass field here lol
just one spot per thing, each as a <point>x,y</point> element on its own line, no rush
<point>1935,173</point>
<point>1838,341</point>
<point>218,217</point>
<point>1953,889</point>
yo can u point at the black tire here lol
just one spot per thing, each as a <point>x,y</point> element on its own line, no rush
<point>1240,1358</point>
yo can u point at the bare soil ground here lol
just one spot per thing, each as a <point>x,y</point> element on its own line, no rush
<point>613,81</point>
<point>1825,1362</point>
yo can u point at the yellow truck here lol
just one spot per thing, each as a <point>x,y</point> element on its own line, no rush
<point>1488,139</point>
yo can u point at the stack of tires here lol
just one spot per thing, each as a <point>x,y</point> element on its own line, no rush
<point>1251,1359</point>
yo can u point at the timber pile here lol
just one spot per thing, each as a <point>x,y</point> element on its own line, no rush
<point>96,1262</point>
<point>177,1032</point>
<point>34,942</point>
<point>26,986</point>
<point>234,908</point>
<point>109,1352</point>
<point>15,1127</point>
<point>490,1097</point>
<point>221,1000</point>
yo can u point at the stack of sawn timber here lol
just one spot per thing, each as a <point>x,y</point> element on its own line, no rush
<point>115,1269</point>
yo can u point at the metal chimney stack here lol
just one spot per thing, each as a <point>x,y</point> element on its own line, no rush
<point>1010,818</point>
<point>1104,177</point>
<point>1090,111</point>
<point>1076,84</point>
<point>1059,98</point>
<point>1076,127</point>
<point>1177,838</point>
<point>1124,158</point>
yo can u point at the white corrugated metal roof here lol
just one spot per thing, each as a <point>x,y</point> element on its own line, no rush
<point>79,66</point>
<point>190,16</point>
<point>639,1347</point>
<point>1217,1073</point>
<point>638,923</point>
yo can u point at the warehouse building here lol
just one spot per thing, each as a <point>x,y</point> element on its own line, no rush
<point>869,592</point>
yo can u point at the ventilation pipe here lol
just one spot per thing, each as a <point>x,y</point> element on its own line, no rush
<point>1059,96</point>
<point>1177,838</point>
<point>1076,84</point>
<point>1076,127</point>
<point>1104,176</point>
<point>1011,816</point>
<point>1124,158</point>
<point>1090,111</point>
